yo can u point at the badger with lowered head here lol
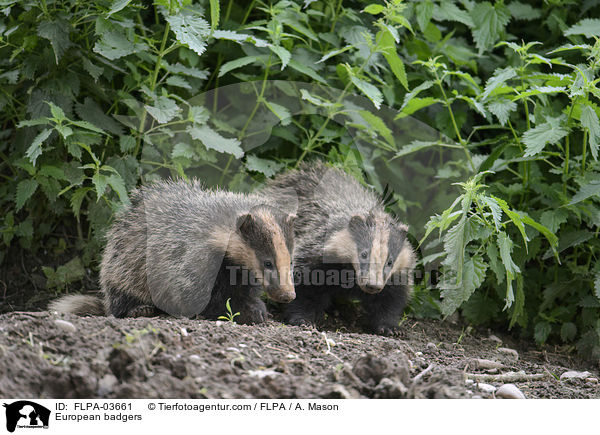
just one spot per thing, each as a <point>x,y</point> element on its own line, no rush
<point>185,250</point>
<point>346,246</point>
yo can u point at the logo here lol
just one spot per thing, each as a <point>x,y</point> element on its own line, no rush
<point>26,414</point>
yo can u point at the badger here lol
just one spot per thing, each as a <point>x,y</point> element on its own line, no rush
<point>346,246</point>
<point>185,250</point>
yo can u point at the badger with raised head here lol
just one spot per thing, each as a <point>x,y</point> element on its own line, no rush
<point>185,250</point>
<point>342,227</point>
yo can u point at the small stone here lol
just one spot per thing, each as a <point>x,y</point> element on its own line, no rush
<point>509,391</point>
<point>233,349</point>
<point>242,345</point>
<point>106,384</point>
<point>509,352</point>
<point>494,338</point>
<point>260,374</point>
<point>486,388</point>
<point>195,357</point>
<point>431,346</point>
<point>184,332</point>
<point>65,326</point>
<point>469,381</point>
<point>476,396</point>
<point>418,353</point>
<point>591,380</point>
<point>572,374</point>
<point>487,364</point>
<point>218,323</point>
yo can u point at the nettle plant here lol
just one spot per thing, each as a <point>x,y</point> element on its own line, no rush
<point>98,97</point>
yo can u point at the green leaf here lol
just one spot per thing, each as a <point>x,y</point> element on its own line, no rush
<point>77,199</point>
<point>164,109</point>
<point>93,70</point>
<point>370,91</point>
<point>237,63</point>
<point>114,44</point>
<point>538,137</point>
<point>281,112</point>
<point>57,32</point>
<point>490,21</point>
<point>379,127</point>
<point>473,275</point>
<point>213,140</point>
<point>100,182</point>
<point>498,79</point>
<point>118,5</point>
<point>589,120</point>
<point>412,94</point>
<point>568,331</point>
<point>505,246</point>
<point>586,191</point>
<point>25,189</point>
<point>522,11</point>
<point>35,149</point>
<point>214,14</point>
<point>116,183</point>
<point>424,13</point>
<point>553,219</point>
<point>300,67</point>
<point>126,143</point>
<point>449,11</point>
<point>502,109</point>
<point>388,47</point>
<point>190,29</point>
<point>589,27</point>
<point>53,172</point>
<point>542,331</point>
<point>179,82</point>
<point>282,53</point>
<point>374,9</point>
<point>264,166</point>
<point>495,209</point>
<point>416,104</point>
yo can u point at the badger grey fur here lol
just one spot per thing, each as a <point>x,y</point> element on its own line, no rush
<point>184,250</point>
<point>343,227</point>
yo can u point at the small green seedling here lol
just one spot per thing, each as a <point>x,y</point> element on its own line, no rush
<point>230,315</point>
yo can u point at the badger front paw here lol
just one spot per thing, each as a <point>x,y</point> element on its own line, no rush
<point>253,314</point>
<point>298,320</point>
<point>143,311</point>
<point>386,330</point>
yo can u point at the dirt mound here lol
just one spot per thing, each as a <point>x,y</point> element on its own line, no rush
<point>61,356</point>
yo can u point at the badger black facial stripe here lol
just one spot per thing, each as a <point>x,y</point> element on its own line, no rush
<point>277,246</point>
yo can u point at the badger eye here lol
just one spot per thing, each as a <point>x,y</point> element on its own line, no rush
<point>364,254</point>
<point>268,264</point>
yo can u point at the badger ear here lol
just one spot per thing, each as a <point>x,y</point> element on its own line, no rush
<point>356,222</point>
<point>245,223</point>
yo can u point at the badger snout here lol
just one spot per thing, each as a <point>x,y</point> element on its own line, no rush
<point>372,288</point>
<point>282,295</point>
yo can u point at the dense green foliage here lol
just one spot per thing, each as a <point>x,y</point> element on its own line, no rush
<point>97,97</point>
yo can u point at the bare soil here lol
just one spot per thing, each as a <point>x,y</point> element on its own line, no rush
<point>47,355</point>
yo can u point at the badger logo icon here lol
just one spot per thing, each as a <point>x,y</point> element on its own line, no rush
<point>26,414</point>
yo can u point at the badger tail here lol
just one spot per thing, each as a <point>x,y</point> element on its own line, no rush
<point>79,304</point>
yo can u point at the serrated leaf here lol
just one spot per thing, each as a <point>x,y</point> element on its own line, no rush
<point>35,149</point>
<point>374,9</point>
<point>553,219</point>
<point>164,109</point>
<point>378,125</point>
<point>589,27</point>
<point>190,29</point>
<point>304,69</point>
<point>522,11</point>
<point>118,185</point>
<point>542,331</point>
<point>416,104</point>
<point>93,70</point>
<point>57,32</point>
<point>334,53</point>
<point>214,14</point>
<point>126,143</point>
<point>412,94</point>
<point>489,23</point>
<point>114,44</point>
<point>589,120</point>
<point>502,109</point>
<point>183,150</point>
<point>25,189</point>
<point>388,47</point>
<point>77,199</point>
<point>538,137</point>
<point>449,11</point>
<point>586,191</point>
<point>230,35</point>
<point>265,166</point>
<point>100,182</point>
<point>118,5</point>
<point>237,63</point>
<point>282,53</point>
<point>498,79</point>
<point>495,209</point>
<point>505,247</point>
<point>281,112</point>
<point>179,82</point>
<point>424,13</point>
<point>53,172</point>
<point>473,275</point>
<point>213,140</point>
<point>370,91</point>
<point>568,331</point>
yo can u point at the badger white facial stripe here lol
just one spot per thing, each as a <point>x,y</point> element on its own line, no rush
<point>282,254</point>
<point>340,247</point>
